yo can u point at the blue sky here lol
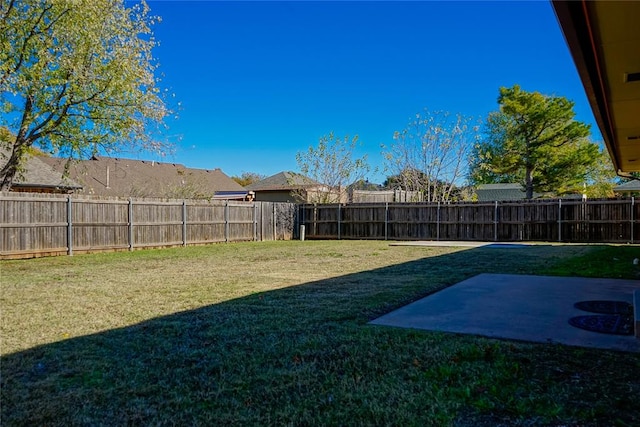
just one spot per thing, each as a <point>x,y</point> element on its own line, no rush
<point>260,81</point>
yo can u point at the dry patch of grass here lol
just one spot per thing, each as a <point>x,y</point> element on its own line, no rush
<point>276,334</point>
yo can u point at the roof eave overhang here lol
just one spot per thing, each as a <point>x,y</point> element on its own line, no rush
<point>577,27</point>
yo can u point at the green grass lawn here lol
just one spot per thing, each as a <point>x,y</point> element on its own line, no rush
<point>276,333</point>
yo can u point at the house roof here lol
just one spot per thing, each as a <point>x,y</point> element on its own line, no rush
<point>283,181</point>
<point>37,174</point>
<point>499,192</point>
<point>631,186</point>
<point>116,177</point>
<point>603,39</point>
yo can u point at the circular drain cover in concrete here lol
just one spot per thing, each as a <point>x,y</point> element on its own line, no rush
<point>605,307</point>
<point>606,324</point>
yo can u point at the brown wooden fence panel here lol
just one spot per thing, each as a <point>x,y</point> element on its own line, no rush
<point>578,221</point>
<point>363,196</point>
<point>32,224</point>
<point>36,225</point>
<point>536,221</point>
<point>285,221</point>
<point>275,221</point>
<point>467,222</point>
<point>100,224</point>
<point>327,220</point>
<point>267,221</point>
<point>322,220</point>
<point>157,224</point>
<point>363,221</point>
<point>513,223</point>
<point>634,223</point>
<point>602,221</point>
<point>410,221</point>
<point>40,225</point>
<point>240,221</point>
<point>205,222</point>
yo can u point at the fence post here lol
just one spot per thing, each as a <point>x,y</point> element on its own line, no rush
<point>226,221</point>
<point>559,220</point>
<point>631,216</point>
<point>275,223</point>
<point>386,221</point>
<point>315,219</point>
<point>262,221</point>
<point>69,227</point>
<point>130,224</point>
<point>339,211</point>
<point>255,221</point>
<point>495,222</point>
<point>438,222</point>
<point>184,222</point>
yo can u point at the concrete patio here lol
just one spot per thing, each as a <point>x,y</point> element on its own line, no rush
<point>518,307</point>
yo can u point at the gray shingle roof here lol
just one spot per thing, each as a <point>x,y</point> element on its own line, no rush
<point>283,181</point>
<point>633,185</point>
<point>500,192</point>
<point>116,177</point>
<point>37,174</point>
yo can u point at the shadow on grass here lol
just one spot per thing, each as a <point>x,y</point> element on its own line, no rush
<point>304,355</point>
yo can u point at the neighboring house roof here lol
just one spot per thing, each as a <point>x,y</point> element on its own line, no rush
<point>37,175</point>
<point>500,192</point>
<point>116,177</point>
<point>283,181</point>
<point>628,187</point>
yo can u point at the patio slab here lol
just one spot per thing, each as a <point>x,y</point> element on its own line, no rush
<point>519,307</point>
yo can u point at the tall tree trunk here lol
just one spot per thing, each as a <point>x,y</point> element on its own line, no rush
<point>18,148</point>
<point>529,182</point>
<point>10,169</point>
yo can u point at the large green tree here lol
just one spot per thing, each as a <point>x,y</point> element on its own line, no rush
<point>535,140</point>
<point>76,76</point>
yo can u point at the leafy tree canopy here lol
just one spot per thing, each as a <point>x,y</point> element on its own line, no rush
<point>429,155</point>
<point>332,164</point>
<point>248,178</point>
<point>365,185</point>
<point>533,139</point>
<point>76,76</point>
<point>452,191</point>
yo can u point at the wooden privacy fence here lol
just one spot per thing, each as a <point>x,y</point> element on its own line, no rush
<point>545,220</point>
<point>363,196</point>
<point>48,225</point>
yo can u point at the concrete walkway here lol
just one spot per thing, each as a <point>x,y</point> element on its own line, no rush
<point>519,307</point>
